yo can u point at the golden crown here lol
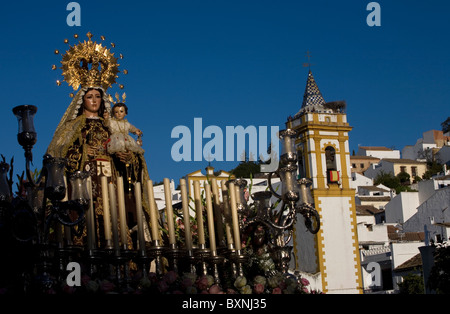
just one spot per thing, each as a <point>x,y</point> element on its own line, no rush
<point>118,100</point>
<point>89,64</point>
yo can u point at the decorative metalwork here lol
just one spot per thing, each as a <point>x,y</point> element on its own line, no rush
<point>89,63</point>
<point>49,205</point>
<point>295,198</point>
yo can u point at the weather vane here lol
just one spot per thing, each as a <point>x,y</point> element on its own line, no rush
<point>308,64</point>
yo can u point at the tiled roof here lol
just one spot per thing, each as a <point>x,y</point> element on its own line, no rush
<point>393,235</point>
<point>374,198</point>
<point>312,96</point>
<point>403,161</point>
<point>373,188</point>
<point>375,148</point>
<point>413,262</point>
<point>367,210</point>
<point>364,157</point>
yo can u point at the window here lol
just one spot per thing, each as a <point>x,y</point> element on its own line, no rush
<point>330,158</point>
<point>413,171</point>
<point>301,164</point>
<point>402,168</point>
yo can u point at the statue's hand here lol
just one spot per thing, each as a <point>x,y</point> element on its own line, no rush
<point>91,150</point>
<point>124,156</point>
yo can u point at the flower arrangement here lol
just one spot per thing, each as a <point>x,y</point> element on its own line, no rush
<point>187,283</point>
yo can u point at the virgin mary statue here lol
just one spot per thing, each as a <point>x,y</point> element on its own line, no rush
<point>81,137</point>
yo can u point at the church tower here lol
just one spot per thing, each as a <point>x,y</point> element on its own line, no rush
<point>331,256</point>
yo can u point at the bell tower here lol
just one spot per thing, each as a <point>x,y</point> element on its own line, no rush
<point>331,256</point>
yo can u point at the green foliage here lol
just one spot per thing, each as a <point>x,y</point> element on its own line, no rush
<point>403,177</point>
<point>433,168</point>
<point>446,125</point>
<point>245,169</point>
<point>412,284</point>
<point>398,182</point>
<point>388,179</point>
<point>439,279</point>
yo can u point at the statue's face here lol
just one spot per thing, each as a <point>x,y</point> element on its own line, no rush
<point>92,101</point>
<point>119,113</point>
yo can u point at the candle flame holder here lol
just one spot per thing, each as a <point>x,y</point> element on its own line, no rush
<point>174,255</point>
<point>238,260</point>
<point>156,252</point>
<point>201,255</point>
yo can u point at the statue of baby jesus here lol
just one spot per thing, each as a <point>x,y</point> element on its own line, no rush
<point>120,140</point>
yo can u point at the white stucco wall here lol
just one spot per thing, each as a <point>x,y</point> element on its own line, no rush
<point>444,154</point>
<point>379,153</point>
<point>431,214</point>
<point>338,240</point>
<point>402,207</point>
<point>359,180</point>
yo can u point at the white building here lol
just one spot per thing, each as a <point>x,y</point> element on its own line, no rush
<point>425,210</point>
<point>402,207</point>
<point>160,198</point>
<point>378,152</point>
<point>404,251</point>
<point>412,220</point>
<point>433,143</point>
<point>432,216</point>
<point>359,180</point>
<point>371,190</point>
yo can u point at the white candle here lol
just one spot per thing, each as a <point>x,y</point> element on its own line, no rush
<point>169,211</point>
<point>67,231</point>
<point>113,210</point>
<point>122,213</point>
<point>68,235</point>
<point>153,211</point>
<point>59,234</point>
<point>66,197</point>
<point>90,218</point>
<point>186,215</point>
<point>139,217</point>
<point>106,212</point>
<point>210,218</point>
<point>234,216</point>
<point>217,212</point>
<point>199,213</point>
<point>227,214</point>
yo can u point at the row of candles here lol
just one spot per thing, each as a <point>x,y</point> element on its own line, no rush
<point>115,223</point>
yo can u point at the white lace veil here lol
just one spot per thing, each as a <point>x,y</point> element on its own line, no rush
<point>68,126</point>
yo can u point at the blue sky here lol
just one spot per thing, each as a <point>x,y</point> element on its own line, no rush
<point>234,63</point>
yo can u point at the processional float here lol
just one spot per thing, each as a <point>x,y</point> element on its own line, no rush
<point>44,206</point>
